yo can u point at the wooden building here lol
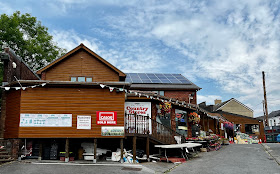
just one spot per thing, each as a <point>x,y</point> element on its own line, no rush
<point>81,98</point>
<point>239,114</point>
<point>65,100</point>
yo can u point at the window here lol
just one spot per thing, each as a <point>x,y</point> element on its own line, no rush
<point>181,122</point>
<point>252,128</point>
<point>73,79</point>
<point>89,79</point>
<point>163,117</point>
<point>81,79</point>
<point>161,93</point>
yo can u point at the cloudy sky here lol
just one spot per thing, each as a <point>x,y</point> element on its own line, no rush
<point>222,46</point>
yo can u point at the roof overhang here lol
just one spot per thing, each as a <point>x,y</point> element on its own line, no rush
<point>67,83</point>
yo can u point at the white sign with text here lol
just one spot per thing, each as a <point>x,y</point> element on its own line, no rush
<point>142,109</point>
<point>83,122</point>
<point>45,120</point>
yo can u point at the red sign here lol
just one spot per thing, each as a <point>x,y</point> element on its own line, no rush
<point>106,117</point>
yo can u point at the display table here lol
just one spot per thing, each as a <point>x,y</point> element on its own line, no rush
<point>182,146</point>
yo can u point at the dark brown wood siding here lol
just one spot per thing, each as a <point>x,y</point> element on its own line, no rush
<point>75,101</point>
<point>12,114</point>
<point>81,63</point>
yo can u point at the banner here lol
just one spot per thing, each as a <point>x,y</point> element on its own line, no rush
<point>45,120</point>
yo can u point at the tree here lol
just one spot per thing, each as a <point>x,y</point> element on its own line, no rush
<point>29,39</point>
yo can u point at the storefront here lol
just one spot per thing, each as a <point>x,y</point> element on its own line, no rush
<point>67,113</point>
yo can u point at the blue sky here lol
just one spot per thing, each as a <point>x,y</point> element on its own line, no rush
<point>222,46</point>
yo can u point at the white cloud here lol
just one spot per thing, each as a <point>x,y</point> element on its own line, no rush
<point>209,99</point>
<point>70,39</point>
<point>226,42</point>
<point>130,57</point>
<point>229,42</point>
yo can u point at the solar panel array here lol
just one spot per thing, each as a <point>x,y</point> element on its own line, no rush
<point>156,78</point>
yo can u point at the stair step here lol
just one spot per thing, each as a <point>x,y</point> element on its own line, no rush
<point>4,153</point>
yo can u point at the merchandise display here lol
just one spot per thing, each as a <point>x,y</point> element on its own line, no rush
<point>242,138</point>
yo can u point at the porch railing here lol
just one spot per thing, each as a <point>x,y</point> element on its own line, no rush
<point>143,125</point>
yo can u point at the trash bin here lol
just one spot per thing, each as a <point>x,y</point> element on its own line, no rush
<point>278,138</point>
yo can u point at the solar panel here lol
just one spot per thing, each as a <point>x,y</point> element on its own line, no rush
<point>156,78</point>
<point>156,81</point>
<point>146,81</point>
<point>128,80</point>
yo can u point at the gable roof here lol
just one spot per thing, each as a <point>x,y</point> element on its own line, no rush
<point>219,106</point>
<point>272,114</point>
<point>81,46</point>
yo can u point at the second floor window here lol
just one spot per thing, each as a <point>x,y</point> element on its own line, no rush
<point>81,79</point>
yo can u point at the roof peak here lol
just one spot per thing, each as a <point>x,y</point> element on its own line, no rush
<point>81,46</point>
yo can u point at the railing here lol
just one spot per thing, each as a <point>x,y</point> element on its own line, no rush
<point>143,125</point>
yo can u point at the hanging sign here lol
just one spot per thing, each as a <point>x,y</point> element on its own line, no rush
<point>45,120</point>
<point>83,122</point>
<point>106,117</point>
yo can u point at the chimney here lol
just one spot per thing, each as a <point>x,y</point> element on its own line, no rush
<point>218,101</point>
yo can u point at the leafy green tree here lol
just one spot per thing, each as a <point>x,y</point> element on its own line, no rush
<point>29,39</point>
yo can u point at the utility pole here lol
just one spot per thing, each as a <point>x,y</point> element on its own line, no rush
<point>265,101</point>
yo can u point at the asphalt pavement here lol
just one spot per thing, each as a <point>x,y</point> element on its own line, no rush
<point>231,159</point>
<point>273,149</point>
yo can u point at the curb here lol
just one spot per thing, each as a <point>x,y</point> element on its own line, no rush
<point>270,152</point>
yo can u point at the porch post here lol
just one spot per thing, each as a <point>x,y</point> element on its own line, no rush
<point>94,149</point>
<point>203,122</point>
<point>148,148</point>
<point>134,148</point>
<point>40,150</point>
<point>67,150</point>
<point>207,124</point>
<point>121,144</point>
<point>172,119</point>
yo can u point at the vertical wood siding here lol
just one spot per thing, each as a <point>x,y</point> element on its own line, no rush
<point>75,101</point>
<point>12,114</point>
<point>81,63</point>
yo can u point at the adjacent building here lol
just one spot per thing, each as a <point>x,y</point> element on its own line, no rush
<point>239,114</point>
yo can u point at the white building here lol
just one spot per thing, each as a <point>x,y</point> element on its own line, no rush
<point>274,118</point>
